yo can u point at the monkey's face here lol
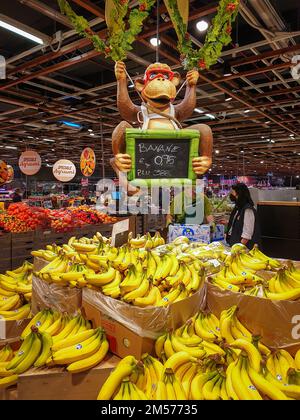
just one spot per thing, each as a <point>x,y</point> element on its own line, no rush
<point>158,88</point>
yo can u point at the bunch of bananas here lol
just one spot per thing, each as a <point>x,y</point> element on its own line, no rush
<point>146,278</point>
<point>15,291</point>
<point>17,281</point>
<point>146,241</point>
<point>52,338</point>
<point>285,285</point>
<point>207,359</point>
<point>238,275</point>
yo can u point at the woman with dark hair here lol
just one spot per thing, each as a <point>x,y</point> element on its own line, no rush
<point>243,224</point>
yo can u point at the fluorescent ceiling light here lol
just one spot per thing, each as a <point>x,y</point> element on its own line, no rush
<point>246,111</point>
<point>131,85</point>
<point>217,152</point>
<point>202,25</point>
<point>211,116</point>
<point>21,32</point>
<point>71,124</point>
<point>155,42</point>
<point>199,110</point>
<point>49,140</point>
<point>92,134</point>
<point>10,147</point>
<point>90,130</point>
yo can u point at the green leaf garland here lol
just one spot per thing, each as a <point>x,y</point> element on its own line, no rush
<point>218,35</point>
<point>122,34</point>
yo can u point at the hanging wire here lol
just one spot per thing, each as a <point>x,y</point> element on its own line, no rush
<point>102,143</point>
<point>157,32</point>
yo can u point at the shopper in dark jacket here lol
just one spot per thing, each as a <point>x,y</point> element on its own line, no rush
<point>243,225</point>
<point>17,196</point>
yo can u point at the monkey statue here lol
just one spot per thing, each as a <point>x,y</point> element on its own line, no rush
<point>158,90</point>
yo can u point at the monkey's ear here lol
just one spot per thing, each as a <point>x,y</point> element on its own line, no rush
<point>176,79</point>
<point>139,84</point>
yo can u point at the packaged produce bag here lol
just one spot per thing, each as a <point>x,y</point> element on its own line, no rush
<point>61,298</point>
<point>195,233</point>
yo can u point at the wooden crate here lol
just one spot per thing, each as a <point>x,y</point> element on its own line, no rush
<point>9,394</point>
<point>21,246</point>
<point>58,384</point>
<point>5,246</point>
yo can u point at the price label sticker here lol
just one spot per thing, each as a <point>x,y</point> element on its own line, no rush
<point>215,263</point>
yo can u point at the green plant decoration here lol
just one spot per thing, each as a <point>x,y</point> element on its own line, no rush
<point>218,36</point>
<point>121,34</point>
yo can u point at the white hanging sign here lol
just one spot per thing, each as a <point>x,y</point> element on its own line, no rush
<point>64,170</point>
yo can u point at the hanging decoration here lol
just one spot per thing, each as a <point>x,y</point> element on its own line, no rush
<point>121,33</point>
<point>218,36</point>
<point>3,172</point>
<point>87,161</point>
<point>30,162</point>
<point>11,174</point>
<point>64,170</point>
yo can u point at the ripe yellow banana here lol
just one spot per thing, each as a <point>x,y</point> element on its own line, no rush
<point>30,355</point>
<point>99,280</point>
<point>46,350</point>
<point>91,361</point>
<point>159,345</point>
<point>111,385</point>
<point>252,352</point>
<point>8,381</point>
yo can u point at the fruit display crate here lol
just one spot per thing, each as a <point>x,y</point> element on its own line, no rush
<point>5,246</point>
<point>17,247</point>
<point>57,384</point>
<point>21,246</point>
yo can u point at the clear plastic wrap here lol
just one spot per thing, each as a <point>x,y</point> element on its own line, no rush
<point>146,322</point>
<point>277,322</point>
<point>39,263</point>
<point>63,299</point>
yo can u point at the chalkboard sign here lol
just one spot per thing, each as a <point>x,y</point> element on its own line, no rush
<point>162,157</point>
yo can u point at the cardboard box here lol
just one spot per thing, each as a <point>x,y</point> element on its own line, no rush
<point>58,384</point>
<point>46,295</point>
<point>122,341</point>
<point>11,330</point>
<point>277,322</point>
<point>132,330</point>
<point>195,233</point>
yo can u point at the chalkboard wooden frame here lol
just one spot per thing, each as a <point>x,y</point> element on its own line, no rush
<point>132,134</point>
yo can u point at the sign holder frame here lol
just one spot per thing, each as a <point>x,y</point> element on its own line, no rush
<point>132,134</point>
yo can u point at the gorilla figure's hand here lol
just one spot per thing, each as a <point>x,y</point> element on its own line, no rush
<point>192,77</point>
<point>120,70</point>
<point>201,164</point>
<point>123,162</point>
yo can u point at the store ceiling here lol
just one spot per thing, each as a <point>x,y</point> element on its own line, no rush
<point>256,132</point>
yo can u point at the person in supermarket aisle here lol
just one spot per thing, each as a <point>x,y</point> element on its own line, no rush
<point>243,226</point>
<point>181,218</point>
<point>17,196</point>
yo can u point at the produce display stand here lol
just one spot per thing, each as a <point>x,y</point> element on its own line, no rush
<point>280,228</point>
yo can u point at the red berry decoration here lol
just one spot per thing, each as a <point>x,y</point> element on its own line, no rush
<point>202,64</point>
<point>231,7</point>
<point>89,31</point>
<point>123,1</point>
<point>187,36</point>
<point>229,29</point>
<point>142,7</point>
<point>107,50</point>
